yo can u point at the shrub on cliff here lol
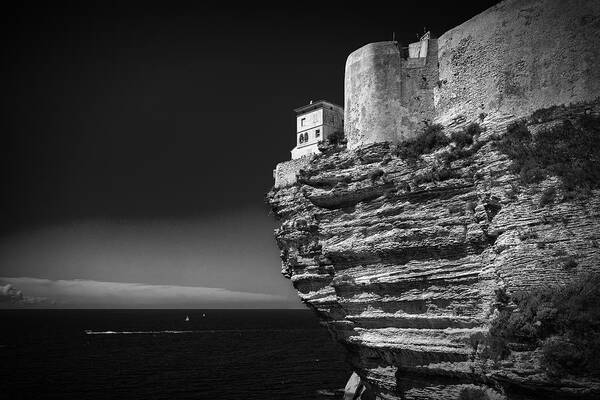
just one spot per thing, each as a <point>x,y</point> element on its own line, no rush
<point>477,393</point>
<point>463,141</point>
<point>428,140</point>
<point>465,137</point>
<point>342,280</point>
<point>332,143</point>
<point>433,138</point>
<point>547,196</point>
<point>563,320</point>
<point>376,174</point>
<point>569,150</point>
<point>336,138</point>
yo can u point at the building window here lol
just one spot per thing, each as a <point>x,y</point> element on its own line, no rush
<point>306,136</point>
<point>317,133</point>
<point>302,121</point>
<point>300,139</point>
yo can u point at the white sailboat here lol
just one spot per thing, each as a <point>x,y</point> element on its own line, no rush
<point>187,318</point>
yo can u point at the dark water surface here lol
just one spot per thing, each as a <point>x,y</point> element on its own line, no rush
<point>155,354</point>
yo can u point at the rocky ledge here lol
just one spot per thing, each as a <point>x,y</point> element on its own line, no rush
<point>460,265</point>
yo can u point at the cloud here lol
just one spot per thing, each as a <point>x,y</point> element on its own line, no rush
<point>9,295</point>
<point>98,294</point>
<point>234,251</point>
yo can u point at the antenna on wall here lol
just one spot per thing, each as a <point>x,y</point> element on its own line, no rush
<point>393,36</point>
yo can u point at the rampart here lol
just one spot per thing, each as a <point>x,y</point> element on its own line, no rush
<point>517,57</point>
<point>285,172</point>
<point>508,61</point>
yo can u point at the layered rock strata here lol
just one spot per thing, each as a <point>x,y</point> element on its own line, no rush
<point>403,259</point>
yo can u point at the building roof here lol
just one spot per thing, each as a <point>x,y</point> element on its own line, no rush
<point>314,105</point>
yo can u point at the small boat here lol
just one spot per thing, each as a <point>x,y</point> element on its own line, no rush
<point>187,318</point>
<point>203,315</point>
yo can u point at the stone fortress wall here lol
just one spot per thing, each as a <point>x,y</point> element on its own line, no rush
<point>512,59</point>
<point>518,57</point>
<point>285,172</point>
<point>506,62</point>
<point>386,95</point>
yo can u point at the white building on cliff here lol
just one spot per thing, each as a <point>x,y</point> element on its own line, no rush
<point>315,122</point>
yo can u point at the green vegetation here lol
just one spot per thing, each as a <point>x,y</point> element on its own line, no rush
<point>333,143</point>
<point>456,209</point>
<point>547,196</point>
<point>336,138</point>
<point>565,262</point>
<point>473,393</point>
<point>430,139</point>
<point>376,174</point>
<point>343,279</point>
<point>465,137</point>
<point>436,174</point>
<point>569,150</point>
<point>512,192</point>
<point>465,145</point>
<point>470,206</point>
<point>563,320</point>
<point>528,235</point>
<point>433,138</point>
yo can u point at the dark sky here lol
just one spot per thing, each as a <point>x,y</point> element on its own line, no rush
<point>165,117</point>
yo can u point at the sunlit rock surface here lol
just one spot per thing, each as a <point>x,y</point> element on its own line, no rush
<point>402,260</point>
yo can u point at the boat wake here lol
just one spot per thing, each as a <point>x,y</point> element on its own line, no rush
<point>88,332</point>
<point>168,332</point>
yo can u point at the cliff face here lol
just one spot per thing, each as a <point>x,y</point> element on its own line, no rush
<point>410,260</point>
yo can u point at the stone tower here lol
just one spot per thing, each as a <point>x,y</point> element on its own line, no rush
<point>388,91</point>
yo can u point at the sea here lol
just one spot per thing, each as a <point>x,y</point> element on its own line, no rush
<point>157,354</point>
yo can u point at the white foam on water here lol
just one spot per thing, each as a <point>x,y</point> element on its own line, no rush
<point>238,331</point>
<point>88,332</point>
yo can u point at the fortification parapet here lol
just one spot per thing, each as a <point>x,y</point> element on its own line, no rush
<point>506,62</point>
<point>372,95</point>
<point>285,173</point>
<point>517,57</point>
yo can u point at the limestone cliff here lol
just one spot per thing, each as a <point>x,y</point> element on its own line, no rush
<point>412,256</point>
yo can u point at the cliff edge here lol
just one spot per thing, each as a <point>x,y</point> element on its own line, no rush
<point>439,264</point>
